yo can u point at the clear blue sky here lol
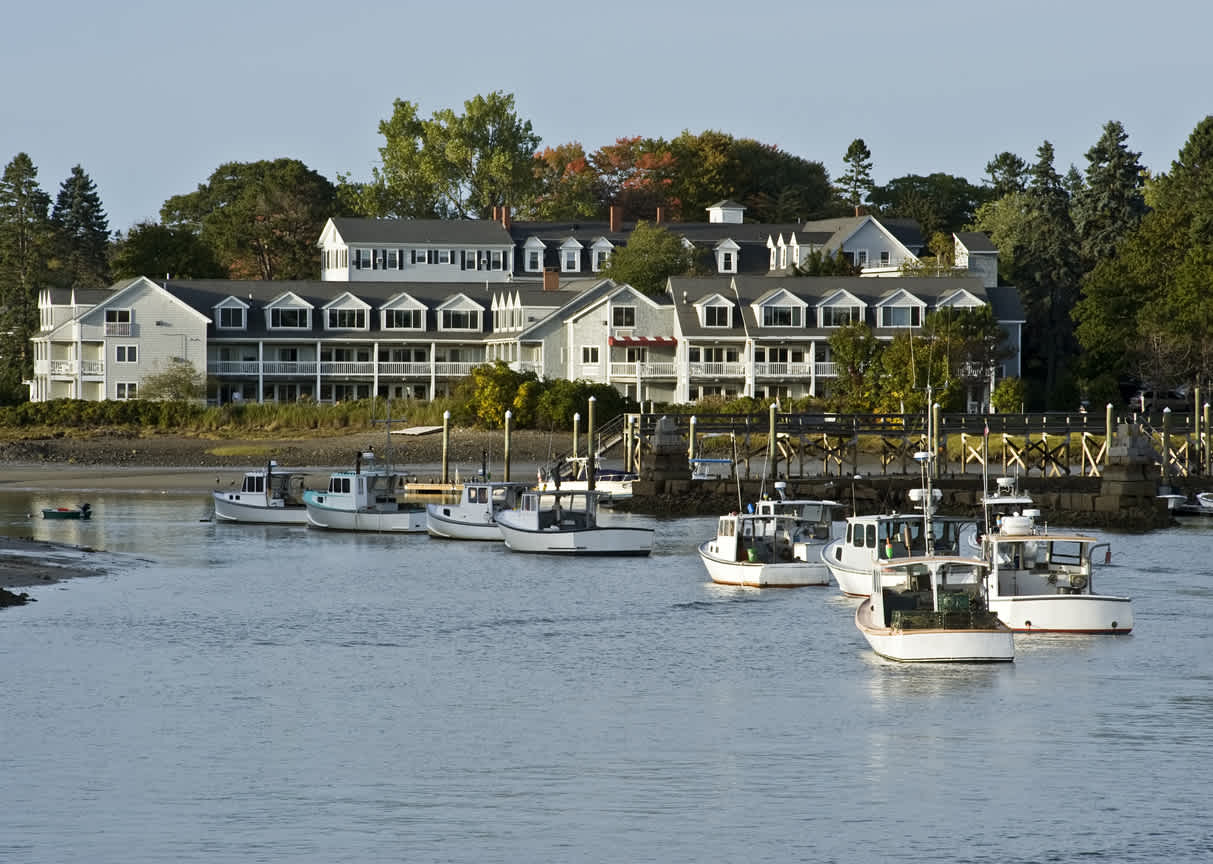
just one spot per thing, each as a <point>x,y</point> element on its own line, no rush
<point>150,98</point>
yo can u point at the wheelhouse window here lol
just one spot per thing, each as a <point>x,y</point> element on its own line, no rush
<point>623,316</point>
<point>780,316</point>
<point>231,318</point>
<point>347,319</point>
<point>289,318</point>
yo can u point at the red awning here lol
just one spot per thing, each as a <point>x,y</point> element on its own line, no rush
<point>642,340</point>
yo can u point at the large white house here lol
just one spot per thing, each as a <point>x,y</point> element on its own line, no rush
<point>406,309</point>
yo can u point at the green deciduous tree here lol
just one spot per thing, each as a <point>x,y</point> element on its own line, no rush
<point>453,165</point>
<point>855,352</point>
<point>937,202</point>
<point>261,219</point>
<point>26,243</point>
<point>856,184</point>
<point>154,250</point>
<point>81,233</point>
<point>652,255</point>
<point>178,382</point>
<point>490,390</point>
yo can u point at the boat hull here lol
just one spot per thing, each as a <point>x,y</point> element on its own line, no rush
<point>1064,613</point>
<point>452,528</point>
<point>230,507</point>
<point>380,521</point>
<point>584,541</point>
<point>934,645</point>
<point>58,513</point>
<point>748,574</point>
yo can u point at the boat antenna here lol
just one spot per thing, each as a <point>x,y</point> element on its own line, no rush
<point>985,470</point>
<point>736,473</point>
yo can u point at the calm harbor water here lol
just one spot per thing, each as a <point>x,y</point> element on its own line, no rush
<point>243,693</point>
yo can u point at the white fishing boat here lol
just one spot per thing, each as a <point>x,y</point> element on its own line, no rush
<point>1042,581</point>
<point>930,606</point>
<point>369,498</point>
<point>930,609</point>
<point>565,522</point>
<point>265,496</point>
<point>762,551</point>
<point>853,557</point>
<point>815,520</point>
<point>474,516</point>
<point>573,475</point>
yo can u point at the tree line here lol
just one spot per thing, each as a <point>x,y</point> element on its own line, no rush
<point>1111,263</point>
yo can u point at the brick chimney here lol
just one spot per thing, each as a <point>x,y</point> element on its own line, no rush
<point>495,214</point>
<point>551,279</point>
<point>616,212</point>
<point>660,215</point>
<point>505,216</point>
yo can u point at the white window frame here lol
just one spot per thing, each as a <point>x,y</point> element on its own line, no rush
<point>230,310</point>
<point>126,353</point>
<point>126,390</point>
<point>570,260</point>
<point>332,320</point>
<point>602,257</point>
<point>915,315</point>
<point>620,316</point>
<point>589,355</point>
<point>534,260</point>
<point>715,308</point>
<point>306,318</point>
<point>417,315</point>
<point>447,317</point>
<point>793,314</point>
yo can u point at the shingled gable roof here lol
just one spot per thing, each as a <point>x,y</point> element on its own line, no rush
<point>686,292</point>
<point>438,232</point>
<point>976,242</point>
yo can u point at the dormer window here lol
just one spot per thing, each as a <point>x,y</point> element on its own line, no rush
<point>460,319</point>
<point>346,319</point>
<point>780,316</point>
<point>403,319</point>
<point>717,316</point>
<point>901,316</point>
<point>570,260</point>
<point>728,262</point>
<point>534,260</point>
<point>230,318</point>
<point>290,318</point>
<point>840,316</point>
<point>602,257</point>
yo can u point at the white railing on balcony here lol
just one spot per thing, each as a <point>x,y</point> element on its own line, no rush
<point>289,367</point>
<point>339,367</point>
<point>404,369</point>
<point>717,370</point>
<point>825,370</point>
<point>116,328</point>
<point>527,366</point>
<point>69,367</point>
<point>646,370</point>
<point>233,367</point>
<point>782,370</point>
<point>458,369</point>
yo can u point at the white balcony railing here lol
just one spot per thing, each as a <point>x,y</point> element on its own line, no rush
<point>783,370</point>
<point>455,369</point>
<point>115,328</point>
<point>825,370</point>
<point>60,368</point>
<point>717,370</point>
<point>645,370</point>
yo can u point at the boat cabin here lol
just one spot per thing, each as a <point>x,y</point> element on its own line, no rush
<point>553,510</point>
<point>903,536</point>
<point>814,519</point>
<point>1036,564</point>
<point>278,489</point>
<point>755,538</point>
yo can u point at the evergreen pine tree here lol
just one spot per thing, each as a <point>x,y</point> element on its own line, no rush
<point>856,183</point>
<point>1047,271</point>
<point>1112,202</point>
<point>25,241</point>
<point>81,233</point>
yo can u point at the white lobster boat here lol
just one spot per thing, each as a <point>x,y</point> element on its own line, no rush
<point>853,557</point>
<point>930,606</point>
<point>564,522</point>
<point>369,498</point>
<point>762,551</point>
<point>931,609</point>
<point>265,496</point>
<point>474,516</point>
